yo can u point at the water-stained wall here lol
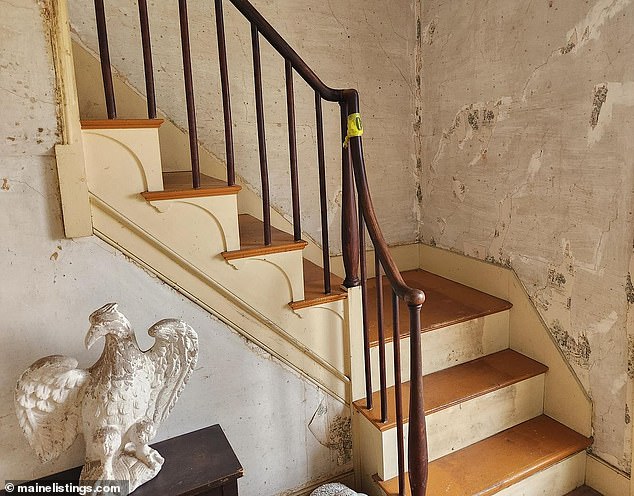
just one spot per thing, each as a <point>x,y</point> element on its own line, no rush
<point>285,430</point>
<point>527,160</point>
<point>369,47</point>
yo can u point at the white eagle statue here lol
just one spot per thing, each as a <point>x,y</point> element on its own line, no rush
<point>117,404</point>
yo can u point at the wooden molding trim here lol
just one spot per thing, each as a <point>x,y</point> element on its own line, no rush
<point>190,193</point>
<point>311,302</point>
<point>263,250</point>
<point>121,123</point>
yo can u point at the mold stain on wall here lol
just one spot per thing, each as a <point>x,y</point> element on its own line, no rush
<point>333,432</point>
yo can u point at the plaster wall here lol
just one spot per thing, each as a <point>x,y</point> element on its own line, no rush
<point>526,160</point>
<point>369,48</point>
<point>285,431</point>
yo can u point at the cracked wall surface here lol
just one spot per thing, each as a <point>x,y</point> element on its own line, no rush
<point>369,48</point>
<point>527,161</point>
<point>49,286</point>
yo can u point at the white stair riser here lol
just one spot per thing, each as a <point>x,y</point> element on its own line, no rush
<point>447,346</point>
<point>142,145</point>
<point>461,425</point>
<point>286,262</point>
<point>556,480</point>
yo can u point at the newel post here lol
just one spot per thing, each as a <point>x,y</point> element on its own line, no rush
<point>417,452</point>
<point>349,219</point>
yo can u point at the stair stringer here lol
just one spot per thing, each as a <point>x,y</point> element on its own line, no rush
<point>312,342</point>
<point>167,265</point>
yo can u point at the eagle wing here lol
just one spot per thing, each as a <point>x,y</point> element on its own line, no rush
<point>174,355</point>
<point>47,404</point>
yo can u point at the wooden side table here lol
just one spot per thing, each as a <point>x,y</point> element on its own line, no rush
<point>198,463</point>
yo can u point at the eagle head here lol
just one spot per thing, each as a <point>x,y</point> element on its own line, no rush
<point>169,330</point>
<point>107,320</point>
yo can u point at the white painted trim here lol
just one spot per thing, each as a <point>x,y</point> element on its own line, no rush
<point>70,126</point>
<point>71,168</point>
<point>605,478</point>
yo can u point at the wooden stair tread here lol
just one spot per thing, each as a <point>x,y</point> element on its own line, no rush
<point>447,303</point>
<point>178,185</point>
<point>121,123</point>
<point>501,460</point>
<point>457,384</point>
<point>314,287</point>
<point>252,240</point>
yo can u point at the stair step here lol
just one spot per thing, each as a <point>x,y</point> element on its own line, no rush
<point>314,288</point>
<point>178,185</point>
<point>447,302</point>
<point>457,384</point>
<point>252,240</point>
<point>500,461</point>
<point>121,123</point>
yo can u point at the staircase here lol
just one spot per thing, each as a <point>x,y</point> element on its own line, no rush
<point>486,430</point>
<point>441,404</point>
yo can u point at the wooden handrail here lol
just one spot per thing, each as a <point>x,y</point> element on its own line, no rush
<point>411,296</point>
<point>284,49</point>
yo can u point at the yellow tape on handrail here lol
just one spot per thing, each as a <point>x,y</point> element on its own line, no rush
<point>355,128</point>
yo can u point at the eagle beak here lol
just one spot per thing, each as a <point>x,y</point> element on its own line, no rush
<point>94,333</point>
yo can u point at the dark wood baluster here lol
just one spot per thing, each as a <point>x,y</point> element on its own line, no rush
<point>259,106</point>
<point>349,232</point>
<point>189,93</point>
<point>417,445</point>
<point>104,55</point>
<point>398,395</point>
<point>322,192</point>
<point>226,97</point>
<point>292,149</point>
<point>364,313</point>
<point>147,59</point>
<point>379,315</point>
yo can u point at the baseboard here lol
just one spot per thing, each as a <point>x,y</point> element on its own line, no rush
<point>346,478</point>
<point>605,478</point>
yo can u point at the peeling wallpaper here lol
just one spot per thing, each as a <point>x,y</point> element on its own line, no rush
<point>370,49</point>
<point>526,160</point>
<point>284,429</point>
